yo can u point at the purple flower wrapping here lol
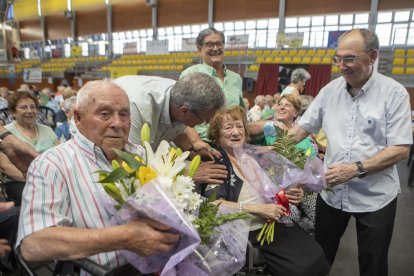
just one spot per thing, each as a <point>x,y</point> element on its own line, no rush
<point>225,255</point>
<point>269,172</point>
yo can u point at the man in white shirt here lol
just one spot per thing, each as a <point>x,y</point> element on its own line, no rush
<point>367,121</point>
<point>172,108</point>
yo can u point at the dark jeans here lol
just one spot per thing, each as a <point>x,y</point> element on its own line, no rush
<point>8,230</point>
<point>374,233</point>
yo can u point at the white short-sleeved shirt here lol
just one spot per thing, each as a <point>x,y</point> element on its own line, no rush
<point>358,128</point>
<point>150,103</point>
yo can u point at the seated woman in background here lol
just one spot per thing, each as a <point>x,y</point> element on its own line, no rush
<point>23,105</point>
<point>297,82</point>
<point>293,251</point>
<point>288,109</point>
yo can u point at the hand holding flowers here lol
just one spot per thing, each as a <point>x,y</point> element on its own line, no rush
<point>154,185</point>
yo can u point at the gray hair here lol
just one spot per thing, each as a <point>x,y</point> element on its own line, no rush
<point>206,32</point>
<point>197,91</point>
<point>306,100</point>
<point>370,39</point>
<point>259,99</point>
<point>68,103</point>
<point>299,74</point>
<point>84,94</point>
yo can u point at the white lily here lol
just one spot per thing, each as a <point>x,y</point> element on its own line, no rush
<point>164,162</point>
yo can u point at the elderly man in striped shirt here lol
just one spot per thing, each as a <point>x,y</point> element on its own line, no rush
<point>61,215</point>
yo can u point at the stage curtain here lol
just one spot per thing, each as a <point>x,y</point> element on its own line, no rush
<point>267,79</point>
<point>320,76</point>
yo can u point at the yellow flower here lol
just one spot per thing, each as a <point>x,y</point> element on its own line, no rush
<point>145,174</point>
<point>145,133</point>
<point>139,159</point>
<point>308,152</point>
<point>127,167</point>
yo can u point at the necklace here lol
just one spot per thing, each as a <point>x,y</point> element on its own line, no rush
<point>29,138</point>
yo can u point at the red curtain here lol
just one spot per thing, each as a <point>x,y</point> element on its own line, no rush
<point>320,76</point>
<point>267,79</point>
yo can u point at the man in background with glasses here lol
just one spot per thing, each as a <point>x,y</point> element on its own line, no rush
<point>367,120</point>
<point>210,44</point>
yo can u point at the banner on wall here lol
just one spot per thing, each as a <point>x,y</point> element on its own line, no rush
<point>3,55</point>
<point>76,51</point>
<point>293,40</point>
<point>237,42</point>
<point>32,75</point>
<point>157,47</point>
<point>189,45</point>
<point>130,48</point>
<point>333,37</point>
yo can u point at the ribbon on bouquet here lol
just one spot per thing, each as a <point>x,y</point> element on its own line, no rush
<point>282,200</point>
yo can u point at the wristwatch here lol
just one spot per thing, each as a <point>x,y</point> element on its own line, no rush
<point>361,171</point>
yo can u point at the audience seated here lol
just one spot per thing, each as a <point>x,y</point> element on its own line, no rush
<point>63,131</point>
<point>62,216</point>
<point>256,110</point>
<point>293,251</point>
<point>23,105</point>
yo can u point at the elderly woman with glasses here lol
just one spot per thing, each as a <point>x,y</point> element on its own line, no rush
<point>297,82</point>
<point>23,105</point>
<point>293,251</point>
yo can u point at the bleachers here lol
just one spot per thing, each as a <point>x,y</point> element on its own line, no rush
<point>398,63</point>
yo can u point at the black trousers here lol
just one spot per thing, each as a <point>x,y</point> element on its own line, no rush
<point>293,252</point>
<point>374,233</point>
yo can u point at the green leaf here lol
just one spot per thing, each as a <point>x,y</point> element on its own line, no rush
<point>129,159</point>
<point>115,176</point>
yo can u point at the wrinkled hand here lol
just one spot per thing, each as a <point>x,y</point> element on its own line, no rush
<point>270,211</point>
<point>210,173</point>
<point>148,237</point>
<point>295,195</point>
<point>20,153</point>
<point>4,206</point>
<point>205,150</point>
<point>4,247</point>
<point>340,173</point>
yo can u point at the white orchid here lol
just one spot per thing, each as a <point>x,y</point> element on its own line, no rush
<point>166,162</point>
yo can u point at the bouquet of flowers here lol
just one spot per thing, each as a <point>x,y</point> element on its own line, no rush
<point>153,185</point>
<point>272,172</point>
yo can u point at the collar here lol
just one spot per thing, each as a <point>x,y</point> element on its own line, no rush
<point>213,71</point>
<point>370,82</point>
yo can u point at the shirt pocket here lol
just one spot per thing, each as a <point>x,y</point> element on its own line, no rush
<point>373,131</point>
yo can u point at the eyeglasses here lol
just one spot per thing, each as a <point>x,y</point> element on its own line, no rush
<point>198,117</point>
<point>347,61</point>
<point>211,44</point>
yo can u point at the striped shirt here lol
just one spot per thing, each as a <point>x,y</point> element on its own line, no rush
<point>62,190</point>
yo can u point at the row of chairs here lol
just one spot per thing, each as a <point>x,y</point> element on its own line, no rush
<point>402,70</point>
<point>404,52</point>
<point>403,60</point>
<point>288,60</point>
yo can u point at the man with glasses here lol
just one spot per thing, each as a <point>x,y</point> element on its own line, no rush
<point>210,44</point>
<point>366,117</point>
<point>172,108</point>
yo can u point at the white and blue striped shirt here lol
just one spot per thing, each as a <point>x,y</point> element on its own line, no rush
<point>62,190</point>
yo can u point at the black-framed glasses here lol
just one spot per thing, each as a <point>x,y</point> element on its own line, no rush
<point>211,44</point>
<point>348,60</point>
<point>199,117</point>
